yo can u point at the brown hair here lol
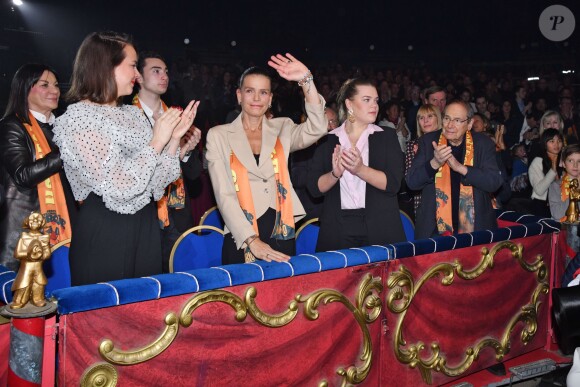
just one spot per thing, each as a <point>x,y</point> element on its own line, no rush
<point>570,150</point>
<point>347,91</point>
<point>93,72</point>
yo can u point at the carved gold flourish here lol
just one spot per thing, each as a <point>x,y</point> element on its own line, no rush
<point>366,309</point>
<point>99,375</point>
<point>366,300</point>
<point>404,289</point>
<point>115,356</point>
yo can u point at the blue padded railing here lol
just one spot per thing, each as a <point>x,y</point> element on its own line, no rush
<point>88,297</point>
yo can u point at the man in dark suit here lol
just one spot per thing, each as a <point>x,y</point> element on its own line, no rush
<point>467,161</point>
<point>153,83</point>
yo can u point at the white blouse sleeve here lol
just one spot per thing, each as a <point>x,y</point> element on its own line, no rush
<point>540,182</point>
<point>166,172</point>
<point>107,152</point>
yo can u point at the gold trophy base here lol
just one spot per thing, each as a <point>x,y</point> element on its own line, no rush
<point>28,311</point>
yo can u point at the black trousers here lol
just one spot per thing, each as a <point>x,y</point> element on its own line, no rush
<point>108,246</point>
<point>353,229</point>
<point>231,254</point>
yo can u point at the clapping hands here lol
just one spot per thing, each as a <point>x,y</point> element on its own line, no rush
<point>172,126</point>
<point>442,154</point>
<point>346,160</point>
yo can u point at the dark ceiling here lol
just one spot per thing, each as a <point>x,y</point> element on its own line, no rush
<point>323,30</point>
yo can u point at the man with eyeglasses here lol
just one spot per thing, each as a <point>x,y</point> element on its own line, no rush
<point>332,118</point>
<point>456,171</point>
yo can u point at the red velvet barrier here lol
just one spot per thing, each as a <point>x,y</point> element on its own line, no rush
<point>4,352</point>
<point>460,315</point>
<point>218,350</point>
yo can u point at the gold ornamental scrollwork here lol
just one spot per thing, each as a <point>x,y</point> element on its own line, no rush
<point>99,375</point>
<point>403,289</point>
<point>366,309</point>
<point>114,356</point>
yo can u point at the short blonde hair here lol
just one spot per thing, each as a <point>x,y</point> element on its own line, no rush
<point>426,109</point>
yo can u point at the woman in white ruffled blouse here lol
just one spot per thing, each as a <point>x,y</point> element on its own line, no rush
<point>116,165</point>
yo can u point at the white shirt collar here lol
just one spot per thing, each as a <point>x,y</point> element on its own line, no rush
<point>42,118</point>
<point>148,111</point>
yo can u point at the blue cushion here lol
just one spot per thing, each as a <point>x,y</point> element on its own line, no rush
<point>199,251</point>
<point>215,219</point>
<point>306,241</point>
<point>57,269</point>
<point>408,226</point>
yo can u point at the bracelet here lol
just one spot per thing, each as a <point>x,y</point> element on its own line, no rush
<point>333,175</point>
<point>306,80</point>
<point>250,239</point>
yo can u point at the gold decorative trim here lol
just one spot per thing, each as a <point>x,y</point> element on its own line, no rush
<point>404,289</point>
<point>303,226</point>
<point>185,318</point>
<point>199,228</point>
<point>115,356</point>
<point>271,321</point>
<point>366,299</point>
<point>367,309</point>
<point>100,375</point>
<point>65,242</point>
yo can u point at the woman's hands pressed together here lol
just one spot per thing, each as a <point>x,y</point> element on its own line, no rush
<point>351,160</point>
<point>171,126</point>
<point>186,120</point>
<point>337,167</point>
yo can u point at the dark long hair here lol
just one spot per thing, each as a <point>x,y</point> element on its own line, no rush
<point>546,161</point>
<point>93,76</point>
<point>24,79</point>
<point>254,70</point>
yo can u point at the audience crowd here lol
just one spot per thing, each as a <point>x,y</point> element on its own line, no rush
<point>526,125</point>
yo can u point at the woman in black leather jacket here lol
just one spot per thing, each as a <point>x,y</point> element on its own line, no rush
<point>30,162</point>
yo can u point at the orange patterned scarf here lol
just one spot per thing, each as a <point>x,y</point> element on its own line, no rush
<point>50,191</point>
<point>174,193</point>
<point>466,214</point>
<point>284,226</point>
<point>565,191</point>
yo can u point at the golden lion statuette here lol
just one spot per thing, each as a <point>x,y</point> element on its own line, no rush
<point>32,249</point>
<point>574,195</point>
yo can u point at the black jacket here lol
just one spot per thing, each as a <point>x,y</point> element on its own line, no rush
<point>484,176</point>
<point>381,207</point>
<point>20,173</point>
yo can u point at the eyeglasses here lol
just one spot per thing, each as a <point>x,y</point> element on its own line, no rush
<point>456,121</point>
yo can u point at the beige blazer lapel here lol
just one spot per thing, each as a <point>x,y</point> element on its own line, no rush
<point>241,147</point>
<point>269,137</point>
